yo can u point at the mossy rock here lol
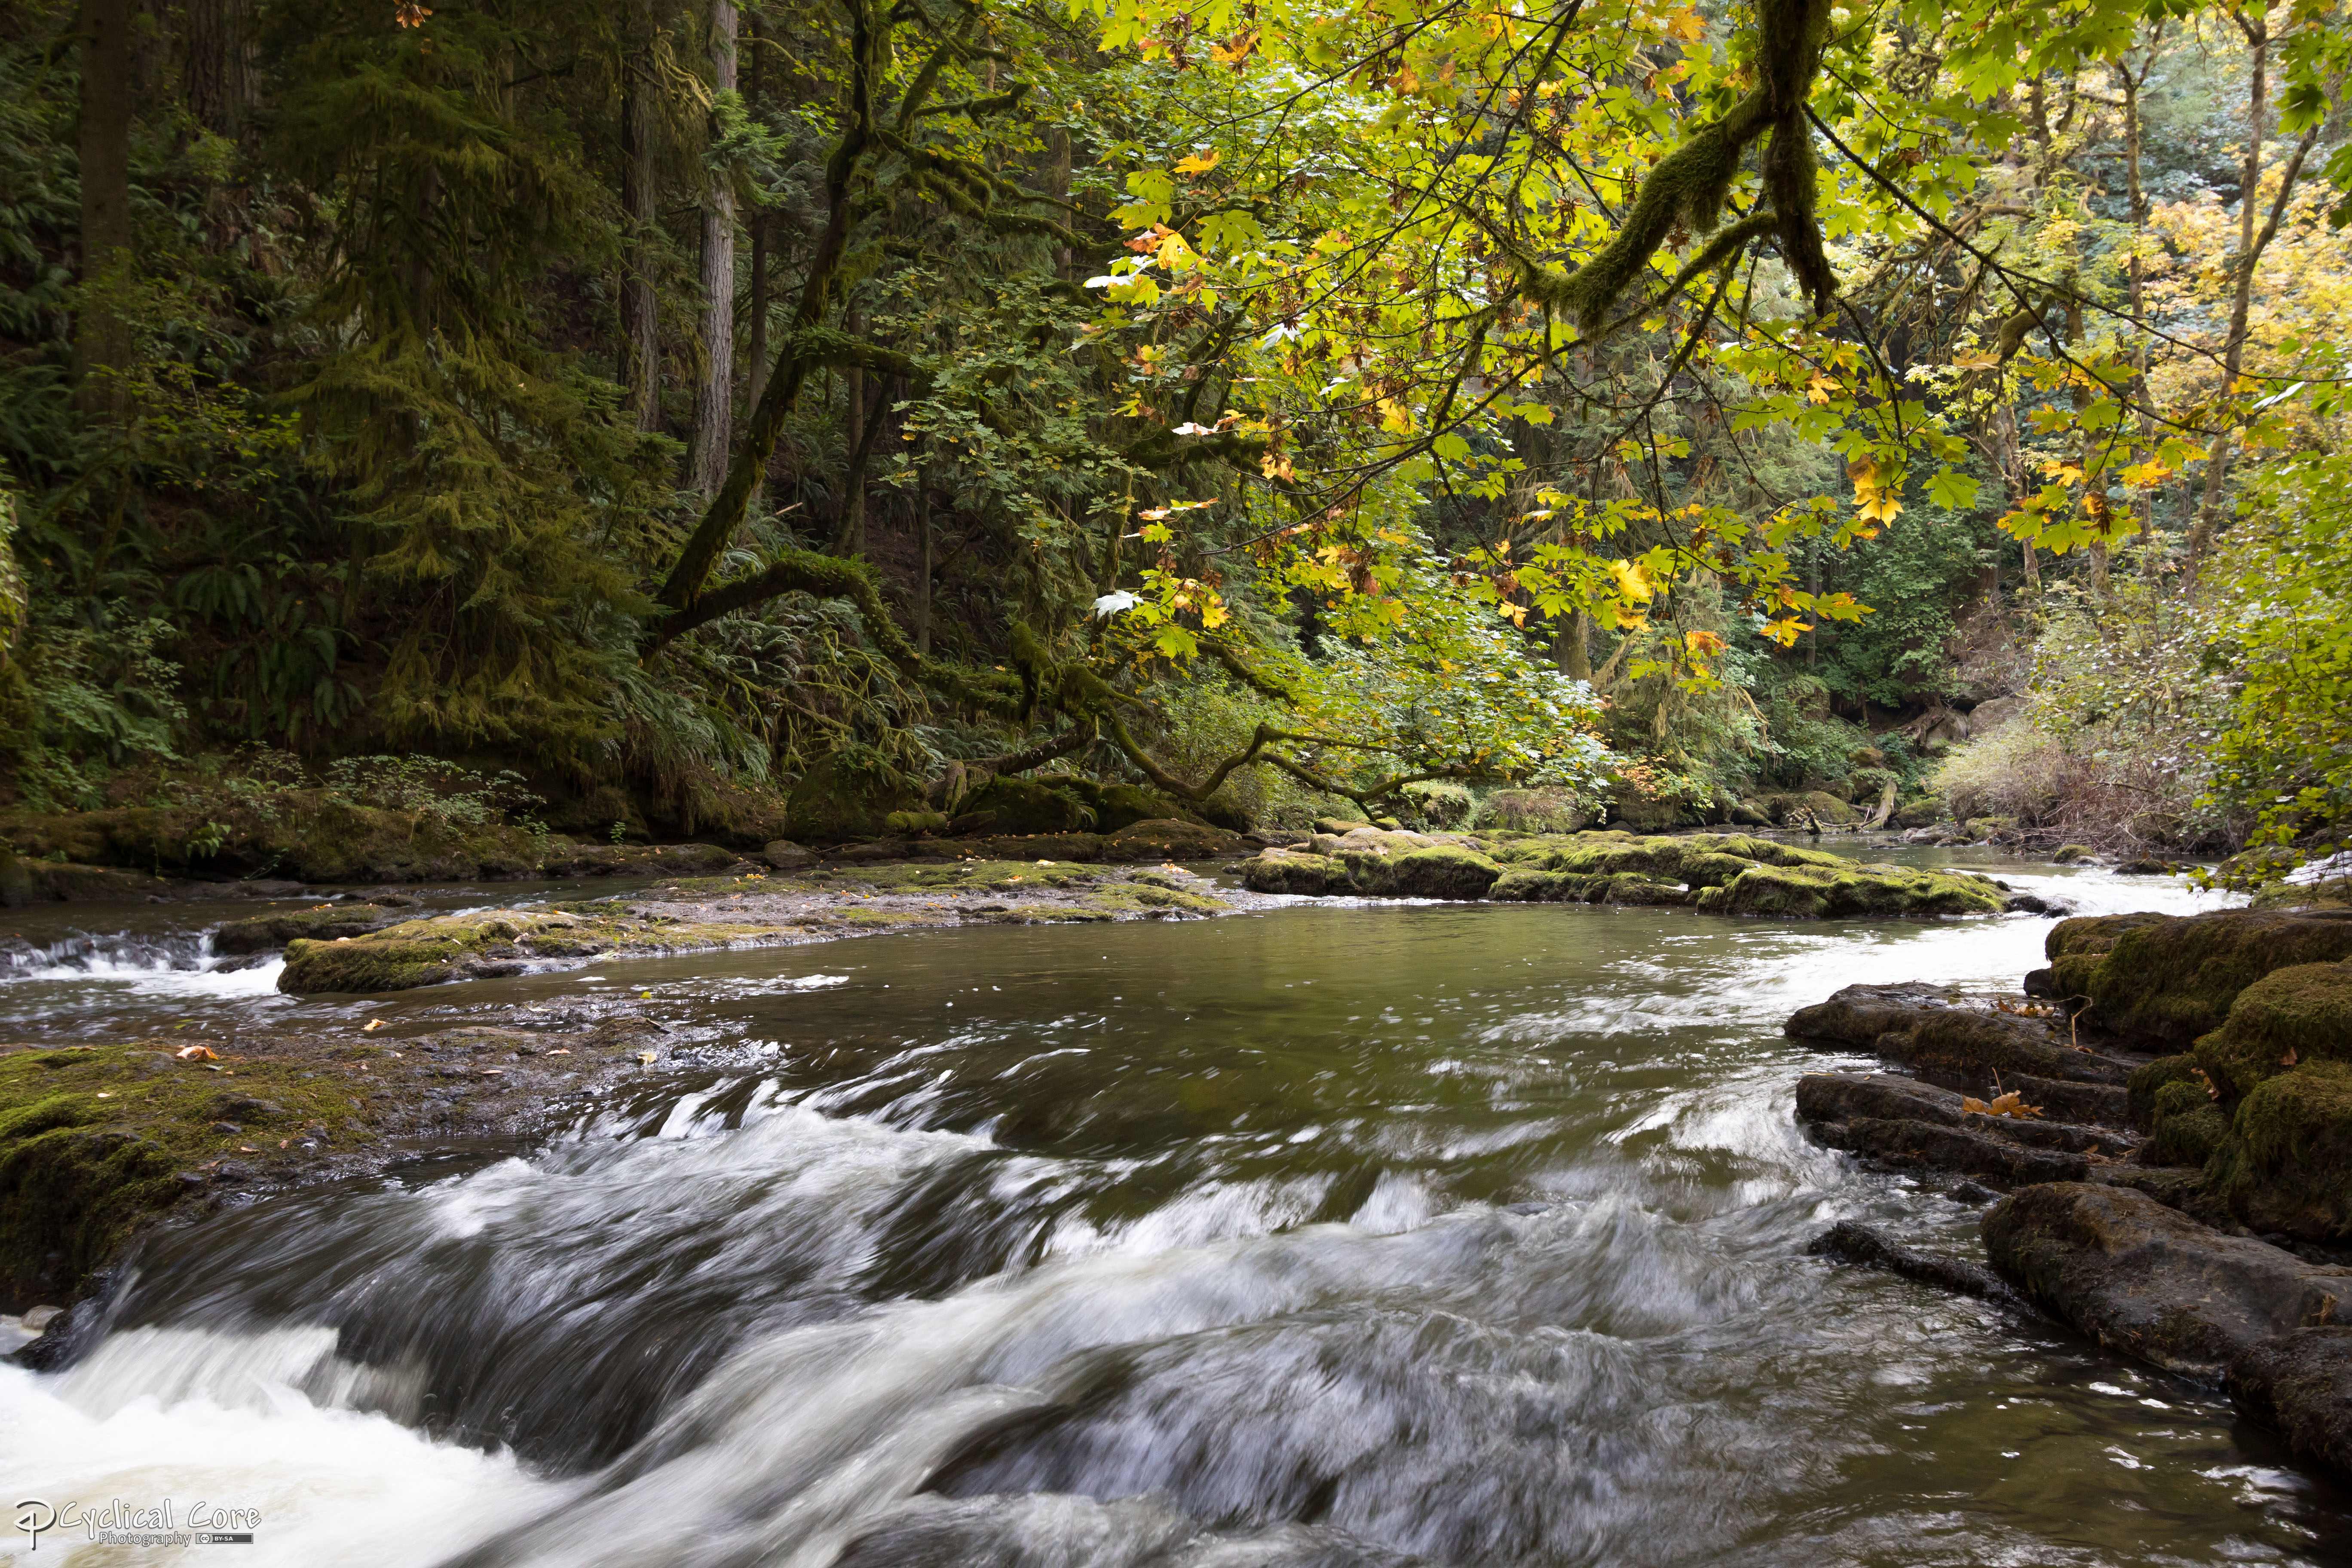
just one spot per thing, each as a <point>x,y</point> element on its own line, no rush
<point>370,967</point>
<point>1634,891</point>
<point>2168,980</point>
<point>1119,805</point>
<point>1522,885</point>
<point>1170,839</point>
<point>1628,806</point>
<point>1921,811</point>
<point>1442,873</point>
<point>2185,1126</point>
<point>2151,1077</point>
<point>1535,811</point>
<point>2286,1165</point>
<point>2299,1013</point>
<point>1218,811</point>
<point>1008,805</point>
<point>2072,853</point>
<point>1789,809</point>
<point>95,1139</point>
<point>1846,890</point>
<point>1288,872</point>
<point>847,795</point>
<point>1339,827</point>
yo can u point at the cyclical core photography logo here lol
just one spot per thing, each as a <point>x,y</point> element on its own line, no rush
<point>119,1524</point>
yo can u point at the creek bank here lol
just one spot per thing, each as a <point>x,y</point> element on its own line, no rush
<point>1732,874</point>
<point>112,856</point>
<point>752,908</point>
<point>2190,1207</point>
<point>98,1139</point>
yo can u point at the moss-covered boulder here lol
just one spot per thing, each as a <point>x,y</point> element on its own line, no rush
<point>2166,980</point>
<point>2152,1076</point>
<point>1920,811</point>
<point>1281,870</point>
<point>1536,811</point>
<point>1007,806</point>
<point>1846,889</point>
<point>2299,1013</point>
<point>2186,1127</point>
<point>848,793</point>
<point>1441,871</point>
<point>1118,806</point>
<point>1721,873</point>
<point>1638,812</point>
<point>2286,1165</point>
<point>1170,839</point>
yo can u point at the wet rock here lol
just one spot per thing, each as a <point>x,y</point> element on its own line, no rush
<point>2299,1385</point>
<point>1862,1244</point>
<point>1941,1029</point>
<point>786,856</point>
<point>2151,1283</point>
<point>1913,1123</point>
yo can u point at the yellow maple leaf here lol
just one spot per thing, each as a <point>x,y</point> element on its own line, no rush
<point>1197,163</point>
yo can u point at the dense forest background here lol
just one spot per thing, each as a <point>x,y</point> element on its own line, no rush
<point>649,418</point>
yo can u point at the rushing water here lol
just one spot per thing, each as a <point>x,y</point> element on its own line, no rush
<point>1331,1236</point>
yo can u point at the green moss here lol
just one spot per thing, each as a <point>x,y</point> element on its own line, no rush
<point>2152,1077</point>
<point>2299,1013</point>
<point>448,947</point>
<point>1522,885</point>
<point>93,1140</point>
<point>2068,854</point>
<point>845,795</point>
<point>1443,872</point>
<point>2172,979</point>
<point>1017,806</point>
<point>2286,1165</point>
<point>2190,1138</point>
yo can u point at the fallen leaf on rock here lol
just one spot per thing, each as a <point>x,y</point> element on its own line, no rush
<point>372,1026</point>
<point>2010,1104</point>
<point>559,1053</point>
<point>196,1054</point>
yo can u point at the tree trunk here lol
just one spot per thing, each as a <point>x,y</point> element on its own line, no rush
<point>923,544</point>
<point>755,99</point>
<point>217,69</point>
<point>102,338</point>
<point>1571,648</point>
<point>2137,190</point>
<point>714,392</point>
<point>640,316</point>
<point>851,538</point>
<point>2250,184</point>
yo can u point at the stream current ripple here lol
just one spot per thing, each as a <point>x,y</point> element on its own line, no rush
<point>1441,1235</point>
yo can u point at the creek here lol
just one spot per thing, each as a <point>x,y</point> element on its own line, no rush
<point>1322,1234</point>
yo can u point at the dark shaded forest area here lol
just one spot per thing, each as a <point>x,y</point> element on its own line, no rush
<point>640,420</point>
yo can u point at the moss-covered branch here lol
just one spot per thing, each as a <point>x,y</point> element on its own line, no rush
<point>1691,183</point>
